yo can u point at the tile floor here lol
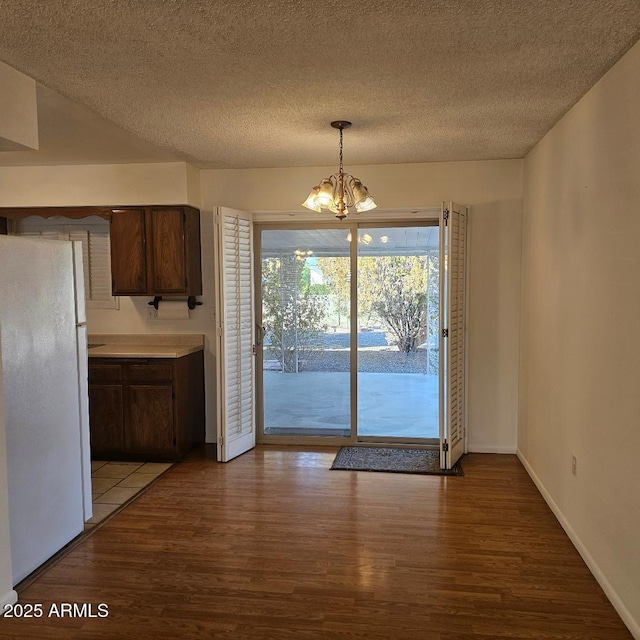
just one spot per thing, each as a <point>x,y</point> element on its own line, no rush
<point>115,483</point>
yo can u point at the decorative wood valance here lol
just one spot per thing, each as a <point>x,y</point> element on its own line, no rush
<point>18,213</point>
<point>76,213</point>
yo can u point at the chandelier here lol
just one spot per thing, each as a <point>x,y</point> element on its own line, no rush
<point>340,193</point>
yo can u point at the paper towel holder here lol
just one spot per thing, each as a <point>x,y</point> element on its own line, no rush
<point>191,302</point>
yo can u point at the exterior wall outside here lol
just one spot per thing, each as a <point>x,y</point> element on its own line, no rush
<point>580,346</point>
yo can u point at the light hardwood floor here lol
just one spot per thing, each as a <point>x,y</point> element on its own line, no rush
<point>274,545</point>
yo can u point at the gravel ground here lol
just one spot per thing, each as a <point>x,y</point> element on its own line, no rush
<point>365,339</point>
<point>375,355</point>
<point>369,362</point>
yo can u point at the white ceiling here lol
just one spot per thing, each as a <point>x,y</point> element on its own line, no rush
<point>249,83</point>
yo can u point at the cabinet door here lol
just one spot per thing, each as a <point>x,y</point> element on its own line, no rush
<point>194,254</point>
<point>128,252</point>
<point>106,419</point>
<point>149,424</point>
<point>168,251</point>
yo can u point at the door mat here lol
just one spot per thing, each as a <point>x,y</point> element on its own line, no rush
<point>424,461</point>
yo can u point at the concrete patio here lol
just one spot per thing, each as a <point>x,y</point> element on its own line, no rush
<point>398,405</point>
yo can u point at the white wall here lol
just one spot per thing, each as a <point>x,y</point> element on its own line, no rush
<point>494,191</point>
<point>96,185</point>
<point>580,360</point>
<point>18,110</point>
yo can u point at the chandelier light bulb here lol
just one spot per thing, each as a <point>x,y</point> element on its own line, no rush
<point>366,205</point>
<point>325,193</point>
<point>312,201</point>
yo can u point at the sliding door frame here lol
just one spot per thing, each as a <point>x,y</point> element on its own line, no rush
<point>432,443</point>
<point>351,226</point>
<point>262,438</point>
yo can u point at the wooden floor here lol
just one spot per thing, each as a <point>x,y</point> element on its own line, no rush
<point>274,545</point>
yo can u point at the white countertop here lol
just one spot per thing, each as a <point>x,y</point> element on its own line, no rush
<point>144,346</point>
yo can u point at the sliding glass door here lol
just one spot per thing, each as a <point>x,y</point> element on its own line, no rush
<point>322,375</point>
<point>398,324</point>
<point>305,324</point>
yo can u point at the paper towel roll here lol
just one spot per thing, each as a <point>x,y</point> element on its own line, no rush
<point>173,310</point>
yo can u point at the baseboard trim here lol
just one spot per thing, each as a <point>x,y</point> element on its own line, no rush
<point>11,597</point>
<point>489,449</point>
<point>632,624</point>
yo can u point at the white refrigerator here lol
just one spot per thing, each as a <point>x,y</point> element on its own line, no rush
<point>43,346</point>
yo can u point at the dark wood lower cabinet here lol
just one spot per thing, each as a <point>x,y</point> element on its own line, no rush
<point>150,420</point>
<point>107,409</point>
<point>146,409</point>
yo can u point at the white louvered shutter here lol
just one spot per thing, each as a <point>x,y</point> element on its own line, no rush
<point>453,249</point>
<point>100,269</point>
<point>96,256</point>
<point>235,318</point>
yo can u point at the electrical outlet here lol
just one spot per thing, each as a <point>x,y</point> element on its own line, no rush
<point>152,312</point>
<point>574,466</point>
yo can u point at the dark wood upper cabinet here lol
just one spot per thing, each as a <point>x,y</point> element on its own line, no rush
<point>156,251</point>
<point>127,236</point>
<point>168,251</point>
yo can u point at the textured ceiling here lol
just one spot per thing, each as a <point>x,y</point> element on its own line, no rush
<point>254,83</point>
